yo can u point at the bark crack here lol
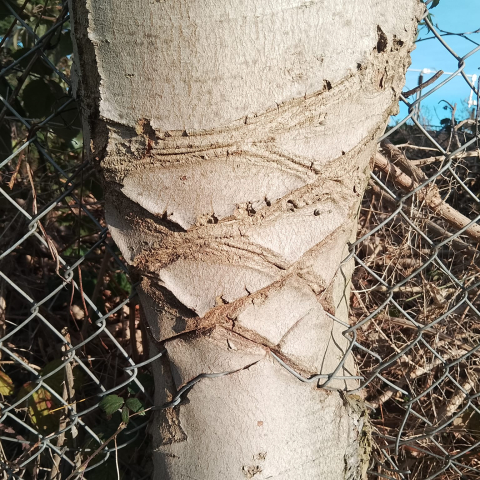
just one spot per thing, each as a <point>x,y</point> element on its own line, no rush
<point>179,397</point>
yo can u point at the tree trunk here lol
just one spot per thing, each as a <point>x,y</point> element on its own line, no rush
<point>234,138</point>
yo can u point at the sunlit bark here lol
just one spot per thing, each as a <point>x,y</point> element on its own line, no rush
<point>235,138</point>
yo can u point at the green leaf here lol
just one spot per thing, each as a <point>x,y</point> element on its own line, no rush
<point>41,407</point>
<point>125,415</point>
<point>134,404</point>
<point>39,97</point>
<point>57,380</point>
<point>145,379</point>
<point>6,384</point>
<point>120,284</point>
<point>63,48</point>
<point>69,120</point>
<point>434,4</point>
<point>111,403</point>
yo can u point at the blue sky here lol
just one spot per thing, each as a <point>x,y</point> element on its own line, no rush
<point>453,16</point>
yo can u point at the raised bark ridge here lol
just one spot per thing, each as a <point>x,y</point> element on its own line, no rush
<point>235,145</point>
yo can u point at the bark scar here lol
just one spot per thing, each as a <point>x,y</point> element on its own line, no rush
<point>180,396</point>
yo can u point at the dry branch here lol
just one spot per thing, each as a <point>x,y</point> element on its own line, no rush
<point>441,158</point>
<point>428,194</point>
<point>456,243</point>
<point>409,93</point>
<point>449,409</point>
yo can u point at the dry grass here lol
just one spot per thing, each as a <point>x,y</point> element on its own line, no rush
<point>423,288</point>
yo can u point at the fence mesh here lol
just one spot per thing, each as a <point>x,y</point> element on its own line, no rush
<point>70,334</point>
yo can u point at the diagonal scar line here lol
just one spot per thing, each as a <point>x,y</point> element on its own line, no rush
<point>191,383</point>
<point>178,398</point>
<point>314,377</point>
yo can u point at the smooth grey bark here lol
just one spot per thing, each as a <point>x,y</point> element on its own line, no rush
<point>234,139</point>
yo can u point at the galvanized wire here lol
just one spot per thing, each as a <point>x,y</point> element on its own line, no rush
<point>417,356</point>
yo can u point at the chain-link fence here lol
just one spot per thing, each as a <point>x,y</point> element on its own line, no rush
<point>60,352</point>
<point>70,335</point>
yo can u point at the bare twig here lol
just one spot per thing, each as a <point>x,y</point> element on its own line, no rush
<point>416,147</point>
<point>3,306</point>
<point>84,465</point>
<point>133,332</point>
<point>428,194</point>
<point>100,278</point>
<point>441,158</point>
<point>11,183</point>
<point>409,93</point>
<point>456,243</point>
<point>457,398</point>
<point>70,403</point>
<point>412,375</point>
<point>87,319</point>
<point>12,26</point>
